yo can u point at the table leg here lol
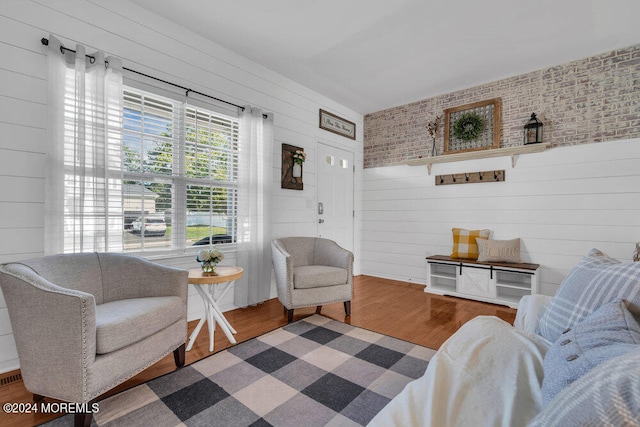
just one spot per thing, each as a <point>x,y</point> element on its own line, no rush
<point>217,296</point>
<point>211,326</point>
<point>196,331</point>
<point>219,317</point>
<point>212,315</point>
<point>204,318</point>
<point>207,317</point>
<point>216,309</point>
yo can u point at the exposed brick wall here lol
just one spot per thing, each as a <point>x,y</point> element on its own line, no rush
<point>591,100</point>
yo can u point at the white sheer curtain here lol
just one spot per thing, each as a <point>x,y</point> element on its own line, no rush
<point>83,201</point>
<point>255,178</point>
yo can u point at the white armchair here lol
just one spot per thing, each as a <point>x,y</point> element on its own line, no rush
<point>311,271</point>
<point>84,323</point>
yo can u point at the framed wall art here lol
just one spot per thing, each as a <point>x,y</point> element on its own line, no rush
<point>336,124</point>
<point>291,172</point>
<point>472,127</point>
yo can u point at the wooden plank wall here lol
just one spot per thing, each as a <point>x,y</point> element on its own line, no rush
<point>149,44</point>
<point>561,203</point>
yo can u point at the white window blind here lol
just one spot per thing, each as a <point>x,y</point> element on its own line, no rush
<point>180,173</point>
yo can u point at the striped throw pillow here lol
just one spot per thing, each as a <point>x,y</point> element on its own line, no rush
<point>597,280</point>
<point>464,242</point>
<point>608,332</point>
<point>607,396</point>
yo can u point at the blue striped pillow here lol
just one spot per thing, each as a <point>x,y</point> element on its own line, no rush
<point>609,395</point>
<point>596,280</point>
<point>610,331</point>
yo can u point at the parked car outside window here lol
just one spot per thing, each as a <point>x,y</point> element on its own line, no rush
<point>149,226</point>
<point>215,239</point>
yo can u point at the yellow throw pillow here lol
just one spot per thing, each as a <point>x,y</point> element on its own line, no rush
<point>464,242</point>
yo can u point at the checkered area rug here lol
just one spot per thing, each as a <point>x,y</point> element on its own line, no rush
<point>314,372</point>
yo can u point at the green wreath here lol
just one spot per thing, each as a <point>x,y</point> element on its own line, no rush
<point>468,126</point>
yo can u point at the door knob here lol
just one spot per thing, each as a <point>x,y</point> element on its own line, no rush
<point>321,221</point>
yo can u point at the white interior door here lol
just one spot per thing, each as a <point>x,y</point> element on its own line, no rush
<point>335,195</point>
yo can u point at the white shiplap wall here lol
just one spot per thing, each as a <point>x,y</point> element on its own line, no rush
<point>149,44</point>
<point>561,203</point>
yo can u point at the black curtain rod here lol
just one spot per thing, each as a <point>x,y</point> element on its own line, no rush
<point>45,42</point>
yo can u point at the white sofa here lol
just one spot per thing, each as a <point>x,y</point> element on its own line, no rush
<point>570,360</point>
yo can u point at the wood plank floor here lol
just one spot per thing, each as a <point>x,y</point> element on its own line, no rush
<point>398,309</point>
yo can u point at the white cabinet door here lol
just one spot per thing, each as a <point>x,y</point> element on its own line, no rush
<point>478,282</point>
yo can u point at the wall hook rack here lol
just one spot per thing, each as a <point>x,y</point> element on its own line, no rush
<point>471,177</point>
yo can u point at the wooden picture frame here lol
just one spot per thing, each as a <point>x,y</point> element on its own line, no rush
<point>337,124</point>
<point>488,111</point>
<point>287,179</point>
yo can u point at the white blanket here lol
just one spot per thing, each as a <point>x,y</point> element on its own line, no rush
<point>487,374</point>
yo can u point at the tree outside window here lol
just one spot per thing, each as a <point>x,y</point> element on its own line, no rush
<point>180,165</point>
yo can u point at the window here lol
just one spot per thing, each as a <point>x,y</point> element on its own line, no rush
<point>180,170</point>
<point>132,171</point>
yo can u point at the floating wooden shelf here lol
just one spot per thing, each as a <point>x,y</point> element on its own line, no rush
<point>472,155</point>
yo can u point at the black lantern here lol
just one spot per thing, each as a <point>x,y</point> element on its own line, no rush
<point>533,130</point>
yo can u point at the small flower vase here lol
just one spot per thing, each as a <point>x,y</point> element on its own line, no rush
<point>297,170</point>
<point>208,267</point>
<point>433,149</point>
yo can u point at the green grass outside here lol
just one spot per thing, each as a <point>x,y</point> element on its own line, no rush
<point>197,232</point>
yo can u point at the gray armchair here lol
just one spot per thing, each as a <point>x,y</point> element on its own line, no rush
<point>311,271</point>
<point>84,323</point>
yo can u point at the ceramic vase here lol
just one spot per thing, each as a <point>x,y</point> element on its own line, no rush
<point>297,170</point>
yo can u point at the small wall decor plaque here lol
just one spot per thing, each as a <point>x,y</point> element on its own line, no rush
<point>336,124</point>
<point>472,127</point>
<point>287,178</point>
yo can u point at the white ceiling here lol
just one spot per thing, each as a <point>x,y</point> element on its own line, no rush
<point>374,54</point>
